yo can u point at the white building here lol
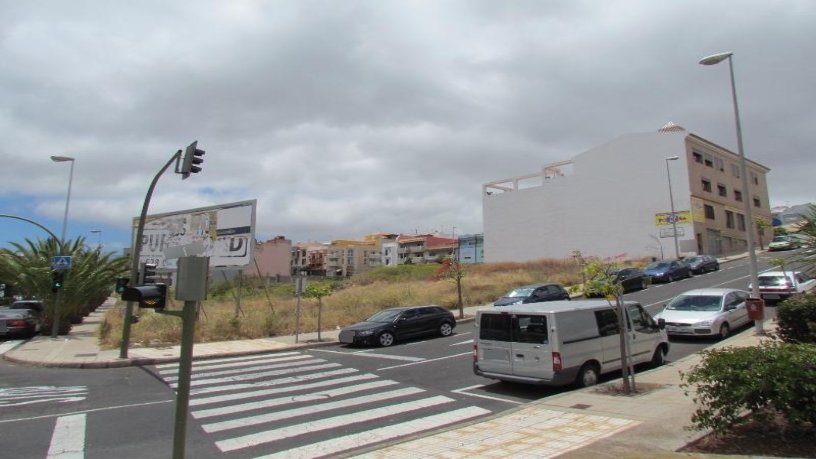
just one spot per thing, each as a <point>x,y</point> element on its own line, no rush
<point>613,201</point>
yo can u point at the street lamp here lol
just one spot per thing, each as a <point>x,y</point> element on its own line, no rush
<point>713,60</point>
<point>62,159</point>
<point>673,216</point>
<point>99,242</point>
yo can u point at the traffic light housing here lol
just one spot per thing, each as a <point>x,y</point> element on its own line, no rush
<point>121,284</point>
<point>147,274</point>
<point>193,157</point>
<point>153,296</point>
<point>57,278</point>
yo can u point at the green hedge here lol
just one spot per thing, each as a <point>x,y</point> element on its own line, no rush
<point>796,319</point>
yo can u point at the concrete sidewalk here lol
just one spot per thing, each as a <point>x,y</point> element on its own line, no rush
<point>583,423</point>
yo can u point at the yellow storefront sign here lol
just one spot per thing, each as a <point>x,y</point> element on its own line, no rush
<point>664,219</point>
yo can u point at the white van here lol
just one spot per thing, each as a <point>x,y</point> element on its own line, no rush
<point>562,342</point>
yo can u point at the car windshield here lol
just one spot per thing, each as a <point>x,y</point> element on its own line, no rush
<point>659,265</point>
<point>695,303</point>
<point>520,293</point>
<point>772,281</point>
<point>387,315</point>
<point>781,239</point>
<point>694,260</point>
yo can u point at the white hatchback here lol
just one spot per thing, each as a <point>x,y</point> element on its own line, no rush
<point>780,285</point>
<point>705,312</point>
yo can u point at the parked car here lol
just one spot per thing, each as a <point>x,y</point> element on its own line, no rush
<point>21,318</point>
<point>783,242</point>
<point>629,278</point>
<point>667,270</point>
<point>395,324</point>
<point>779,285</point>
<point>703,264</point>
<point>705,312</point>
<point>534,293</point>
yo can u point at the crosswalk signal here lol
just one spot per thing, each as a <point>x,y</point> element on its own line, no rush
<point>121,284</point>
<point>147,274</point>
<point>153,296</point>
<point>57,278</point>
<point>193,157</point>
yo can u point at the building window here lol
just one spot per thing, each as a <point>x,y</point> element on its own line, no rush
<point>709,161</point>
<point>757,202</point>
<point>709,211</point>
<point>706,185</point>
<point>698,157</point>
<point>738,195</point>
<point>755,178</point>
<point>729,219</point>
<point>741,222</point>
<point>735,170</point>
<point>720,164</point>
<point>722,190</point>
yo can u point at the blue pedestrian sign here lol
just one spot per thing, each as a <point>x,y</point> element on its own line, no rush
<point>61,263</point>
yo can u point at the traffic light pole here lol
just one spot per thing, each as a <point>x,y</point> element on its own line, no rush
<point>137,249</point>
<point>184,375</point>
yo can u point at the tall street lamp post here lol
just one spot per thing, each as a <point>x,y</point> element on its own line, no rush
<point>673,216</point>
<point>713,60</point>
<point>58,299</point>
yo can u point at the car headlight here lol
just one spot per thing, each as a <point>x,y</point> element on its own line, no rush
<point>365,332</point>
<point>704,323</point>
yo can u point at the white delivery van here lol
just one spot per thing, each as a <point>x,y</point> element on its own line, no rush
<point>562,342</point>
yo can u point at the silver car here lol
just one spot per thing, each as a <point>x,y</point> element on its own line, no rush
<point>705,312</point>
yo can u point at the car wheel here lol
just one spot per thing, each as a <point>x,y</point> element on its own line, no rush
<point>658,358</point>
<point>445,329</point>
<point>725,330</point>
<point>386,339</point>
<point>588,375</point>
<point>643,285</point>
<point>670,278</point>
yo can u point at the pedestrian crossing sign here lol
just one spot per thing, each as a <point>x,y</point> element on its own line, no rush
<point>61,263</point>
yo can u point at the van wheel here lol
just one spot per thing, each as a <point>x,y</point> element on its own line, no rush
<point>725,330</point>
<point>386,339</point>
<point>445,329</point>
<point>588,375</point>
<point>659,358</point>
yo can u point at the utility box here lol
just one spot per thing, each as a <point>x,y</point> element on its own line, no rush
<point>193,278</point>
<point>756,308</point>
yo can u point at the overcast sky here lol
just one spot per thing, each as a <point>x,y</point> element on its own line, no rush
<point>344,118</point>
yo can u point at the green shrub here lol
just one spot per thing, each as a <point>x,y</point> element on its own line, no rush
<point>796,319</point>
<point>772,378</point>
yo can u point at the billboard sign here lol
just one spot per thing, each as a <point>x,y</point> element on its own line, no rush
<point>225,233</point>
<point>667,218</point>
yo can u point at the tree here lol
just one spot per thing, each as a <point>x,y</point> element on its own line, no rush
<point>88,282</point>
<point>600,278</point>
<point>762,225</point>
<point>807,232</point>
<point>453,270</point>
<point>318,290</point>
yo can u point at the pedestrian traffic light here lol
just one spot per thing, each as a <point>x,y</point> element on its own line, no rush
<point>121,284</point>
<point>191,164</point>
<point>56,280</point>
<point>153,296</point>
<point>147,274</point>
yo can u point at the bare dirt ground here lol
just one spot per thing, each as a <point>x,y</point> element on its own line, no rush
<point>755,438</point>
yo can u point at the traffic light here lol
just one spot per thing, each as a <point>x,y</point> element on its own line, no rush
<point>147,274</point>
<point>152,296</point>
<point>57,278</point>
<point>191,164</point>
<point>121,284</point>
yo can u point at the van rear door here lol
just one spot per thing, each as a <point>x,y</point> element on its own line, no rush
<point>531,351</point>
<point>494,346</point>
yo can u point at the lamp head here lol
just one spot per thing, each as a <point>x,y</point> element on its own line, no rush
<point>672,158</point>
<point>716,58</point>
<point>60,159</point>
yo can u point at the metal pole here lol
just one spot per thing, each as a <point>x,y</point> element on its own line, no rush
<point>185,370</point>
<point>673,216</point>
<point>58,299</point>
<point>746,197</point>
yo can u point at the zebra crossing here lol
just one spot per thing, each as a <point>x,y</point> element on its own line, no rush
<point>296,405</point>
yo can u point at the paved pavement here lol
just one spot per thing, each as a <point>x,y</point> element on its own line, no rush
<point>575,424</point>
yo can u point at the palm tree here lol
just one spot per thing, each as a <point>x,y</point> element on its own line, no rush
<point>86,285</point>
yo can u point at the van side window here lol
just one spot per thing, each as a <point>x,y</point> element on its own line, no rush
<point>607,322</point>
<point>641,322</point>
<point>495,327</point>
<point>531,329</point>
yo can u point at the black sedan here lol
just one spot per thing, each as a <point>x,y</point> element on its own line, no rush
<point>395,324</point>
<point>629,278</point>
<point>702,264</point>
<point>667,271</point>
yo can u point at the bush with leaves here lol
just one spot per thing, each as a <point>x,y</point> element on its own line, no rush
<point>796,319</point>
<point>773,378</point>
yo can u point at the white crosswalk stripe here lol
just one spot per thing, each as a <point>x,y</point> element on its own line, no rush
<point>295,402</point>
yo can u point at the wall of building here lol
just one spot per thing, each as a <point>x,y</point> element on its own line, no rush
<point>606,208</point>
<point>273,259</point>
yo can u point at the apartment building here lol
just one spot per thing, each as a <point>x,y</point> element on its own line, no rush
<point>348,257</point>
<point>614,201</point>
<point>271,259</point>
<point>425,248</point>
<point>309,258</point>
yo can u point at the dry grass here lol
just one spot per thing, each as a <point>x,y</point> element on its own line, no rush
<point>355,300</point>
